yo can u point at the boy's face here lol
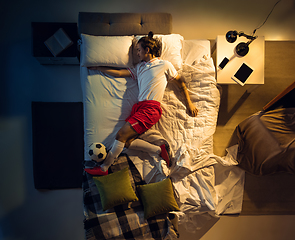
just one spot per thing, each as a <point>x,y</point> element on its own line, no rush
<point>142,53</point>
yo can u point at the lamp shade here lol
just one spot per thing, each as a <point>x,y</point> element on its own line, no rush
<point>242,49</point>
<point>231,36</point>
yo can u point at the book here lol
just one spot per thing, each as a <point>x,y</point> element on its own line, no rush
<point>58,42</point>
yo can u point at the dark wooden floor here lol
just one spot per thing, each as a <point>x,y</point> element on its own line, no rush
<point>237,104</point>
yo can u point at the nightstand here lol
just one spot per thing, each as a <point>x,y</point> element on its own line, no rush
<point>41,31</point>
<point>254,59</point>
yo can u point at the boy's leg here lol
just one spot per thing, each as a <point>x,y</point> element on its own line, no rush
<point>141,145</point>
<point>125,133</point>
<point>115,151</point>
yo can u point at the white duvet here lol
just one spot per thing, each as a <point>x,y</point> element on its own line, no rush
<point>206,185</point>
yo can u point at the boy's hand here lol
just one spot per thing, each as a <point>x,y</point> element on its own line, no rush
<point>192,109</point>
<point>112,71</point>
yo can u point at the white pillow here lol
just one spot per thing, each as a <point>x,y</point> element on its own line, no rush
<point>194,50</point>
<point>114,51</point>
<point>171,49</point>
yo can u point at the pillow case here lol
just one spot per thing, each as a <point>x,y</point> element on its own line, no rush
<point>194,50</point>
<point>115,189</point>
<point>157,198</point>
<point>113,51</point>
<point>171,49</point>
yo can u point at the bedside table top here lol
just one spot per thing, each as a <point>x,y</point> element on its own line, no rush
<point>254,59</point>
<point>41,31</point>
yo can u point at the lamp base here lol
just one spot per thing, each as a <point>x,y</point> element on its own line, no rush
<point>242,49</point>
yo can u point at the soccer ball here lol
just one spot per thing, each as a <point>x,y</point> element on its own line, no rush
<point>97,152</point>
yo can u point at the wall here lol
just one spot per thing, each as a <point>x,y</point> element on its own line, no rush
<point>29,214</point>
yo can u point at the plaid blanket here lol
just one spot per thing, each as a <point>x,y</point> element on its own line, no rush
<point>124,221</point>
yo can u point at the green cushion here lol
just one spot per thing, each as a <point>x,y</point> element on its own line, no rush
<point>115,189</point>
<point>157,198</point>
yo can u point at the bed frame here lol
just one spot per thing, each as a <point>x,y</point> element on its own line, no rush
<point>119,24</point>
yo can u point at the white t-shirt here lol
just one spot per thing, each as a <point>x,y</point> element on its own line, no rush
<point>152,78</point>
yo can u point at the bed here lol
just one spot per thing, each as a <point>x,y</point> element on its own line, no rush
<point>272,128</point>
<point>202,185</point>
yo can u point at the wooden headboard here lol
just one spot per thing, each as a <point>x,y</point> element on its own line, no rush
<point>119,24</point>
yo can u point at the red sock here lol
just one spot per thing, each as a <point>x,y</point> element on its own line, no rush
<point>96,171</point>
<point>164,154</point>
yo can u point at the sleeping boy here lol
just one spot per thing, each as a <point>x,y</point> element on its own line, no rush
<point>152,75</point>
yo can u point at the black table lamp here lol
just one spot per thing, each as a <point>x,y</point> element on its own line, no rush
<point>242,48</point>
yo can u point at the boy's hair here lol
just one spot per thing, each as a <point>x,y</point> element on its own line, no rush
<point>154,44</point>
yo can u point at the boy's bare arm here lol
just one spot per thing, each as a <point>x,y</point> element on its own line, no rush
<point>112,71</point>
<point>182,87</point>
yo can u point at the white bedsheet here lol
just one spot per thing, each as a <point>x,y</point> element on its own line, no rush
<point>206,185</point>
<point>107,103</point>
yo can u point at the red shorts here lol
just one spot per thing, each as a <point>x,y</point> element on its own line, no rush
<point>144,115</point>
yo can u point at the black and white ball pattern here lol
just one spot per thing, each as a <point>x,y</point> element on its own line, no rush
<point>97,152</point>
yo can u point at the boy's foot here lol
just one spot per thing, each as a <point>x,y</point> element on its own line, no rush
<point>165,154</point>
<point>96,171</point>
